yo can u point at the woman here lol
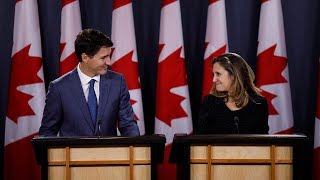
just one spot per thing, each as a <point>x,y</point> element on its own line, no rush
<point>234,105</point>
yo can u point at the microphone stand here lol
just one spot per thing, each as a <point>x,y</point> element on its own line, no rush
<point>236,122</point>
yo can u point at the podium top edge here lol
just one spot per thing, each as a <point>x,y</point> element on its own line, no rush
<point>146,139</point>
<point>240,138</point>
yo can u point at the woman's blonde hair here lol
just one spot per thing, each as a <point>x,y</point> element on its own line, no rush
<point>243,79</point>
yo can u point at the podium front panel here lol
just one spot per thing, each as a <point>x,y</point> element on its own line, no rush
<point>240,162</point>
<point>120,158</point>
<point>241,172</point>
<point>241,157</point>
<point>105,162</point>
<point>100,172</point>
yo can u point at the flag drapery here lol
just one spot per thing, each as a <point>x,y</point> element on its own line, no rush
<point>316,154</point>
<point>173,114</point>
<point>242,20</point>
<point>70,27</point>
<point>124,57</point>
<point>26,94</point>
<point>272,67</point>
<point>216,40</point>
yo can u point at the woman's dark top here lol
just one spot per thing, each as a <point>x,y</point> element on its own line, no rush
<point>217,118</point>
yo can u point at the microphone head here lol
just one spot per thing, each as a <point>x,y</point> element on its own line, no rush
<point>236,119</point>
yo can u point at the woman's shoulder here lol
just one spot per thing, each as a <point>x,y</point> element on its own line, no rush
<point>209,97</point>
<point>212,99</point>
<point>258,99</point>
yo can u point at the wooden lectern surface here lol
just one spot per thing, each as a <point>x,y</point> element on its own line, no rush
<point>99,158</point>
<point>241,157</point>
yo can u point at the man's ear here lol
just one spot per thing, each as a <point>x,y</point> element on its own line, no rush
<point>84,57</point>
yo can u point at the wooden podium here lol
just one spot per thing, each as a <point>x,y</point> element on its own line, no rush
<point>94,158</point>
<point>241,157</point>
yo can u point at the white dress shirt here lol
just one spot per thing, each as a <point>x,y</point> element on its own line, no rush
<point>84,79</point>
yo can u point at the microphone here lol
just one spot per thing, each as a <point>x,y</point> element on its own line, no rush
<point>236,122</point>
<point>99,126</point>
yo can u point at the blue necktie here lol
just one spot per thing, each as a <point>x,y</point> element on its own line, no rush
<point>92,101</point>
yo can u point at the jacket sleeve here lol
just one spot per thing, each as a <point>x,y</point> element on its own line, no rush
<point>127,125</point>
<point>51,120</point>
<point>263,125</point>
<point>203,117</point>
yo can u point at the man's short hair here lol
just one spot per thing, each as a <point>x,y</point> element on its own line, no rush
<point>90,41</point>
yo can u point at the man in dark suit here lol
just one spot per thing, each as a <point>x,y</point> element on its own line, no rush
<point>90,100</point>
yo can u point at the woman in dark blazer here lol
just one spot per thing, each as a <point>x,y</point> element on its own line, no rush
<point>234,105</point>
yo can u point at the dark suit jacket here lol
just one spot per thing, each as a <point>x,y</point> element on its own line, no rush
<point>66,111</point>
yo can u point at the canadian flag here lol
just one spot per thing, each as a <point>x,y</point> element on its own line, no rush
<point>216,40</point>
<point>173,114</point>
<point>316,155</point>
<point>26,94</point>
<point>70,27</point>
<point>124,57</point>
<point>272,67</point>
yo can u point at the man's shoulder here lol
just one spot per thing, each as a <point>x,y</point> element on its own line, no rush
<point>113,75</point>
<point>64,78</point>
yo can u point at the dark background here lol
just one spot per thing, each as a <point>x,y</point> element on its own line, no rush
<point>301,22</point>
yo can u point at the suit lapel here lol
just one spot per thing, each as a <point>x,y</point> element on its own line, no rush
<point>77,92</point>
<point>105,85</point>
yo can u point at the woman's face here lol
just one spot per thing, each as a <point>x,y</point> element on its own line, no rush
<point>221,78</point>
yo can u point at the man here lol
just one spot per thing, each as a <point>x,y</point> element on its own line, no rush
<point>90,100</point>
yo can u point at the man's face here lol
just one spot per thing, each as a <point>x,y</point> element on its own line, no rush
<point>98,64</point>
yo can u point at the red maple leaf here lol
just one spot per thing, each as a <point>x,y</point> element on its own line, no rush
<point>171,74</point>
<point>269,69</point>
<point>270,97</point>
<point>66,2</point>
<point>262,1</point>
<point>120,3</point>
<point>24,69</point>
<point>212,1</point>
<point>126,66</point>
<point>167,2</point>
<point>130,70</point>
<point>207,69</point>
<point>68,63</point>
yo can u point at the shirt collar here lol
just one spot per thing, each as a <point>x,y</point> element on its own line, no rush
<point>84,79</point>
